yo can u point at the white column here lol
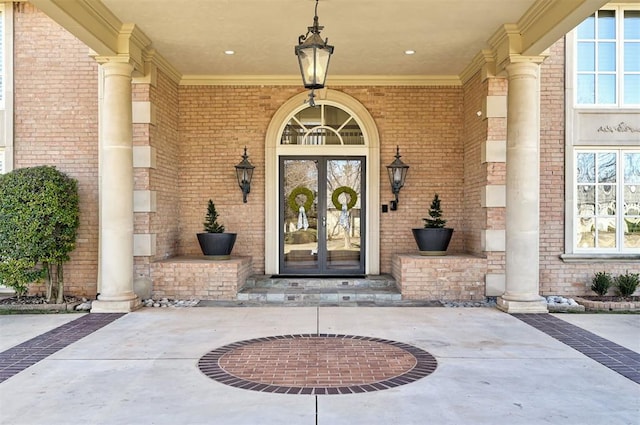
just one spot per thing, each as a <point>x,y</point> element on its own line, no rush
<point>522,192</point>
<point>116,190</point>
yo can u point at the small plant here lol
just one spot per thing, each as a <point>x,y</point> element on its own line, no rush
<point>601,283</point>
<point>627,283</point>
<point>435,213</point>
<point>211,220</point>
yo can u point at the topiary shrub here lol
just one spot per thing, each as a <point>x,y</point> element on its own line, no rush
<point>601,283</point>
<point>211,224</point>
<point>435,220</point>
<point>39,218</point>
<point>627,283</point>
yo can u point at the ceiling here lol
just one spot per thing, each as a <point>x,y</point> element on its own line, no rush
<point>370,36</point>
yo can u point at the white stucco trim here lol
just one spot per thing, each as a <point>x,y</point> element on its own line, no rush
<point>493,240</point>
<point>494,284</point>
<point>371,150</point>
<point>495,107</point>
<point>494,151</point>
<point>493,195</point>
<point>143,112</point>
<point>144,157</point>
<point>145,201</point>
<point>6,138</point>
<point>144,244</point>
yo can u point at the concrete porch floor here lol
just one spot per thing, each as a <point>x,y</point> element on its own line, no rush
<point>142,368</point>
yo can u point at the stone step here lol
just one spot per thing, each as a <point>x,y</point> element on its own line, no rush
<point>320,296</point>
<point>313,282</point>
<point>379,290</point>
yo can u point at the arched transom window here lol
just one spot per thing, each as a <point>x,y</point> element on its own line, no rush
<point>322,125</point>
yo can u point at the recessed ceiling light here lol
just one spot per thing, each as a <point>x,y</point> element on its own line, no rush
<point>409,52</point>
<point>229,52</point>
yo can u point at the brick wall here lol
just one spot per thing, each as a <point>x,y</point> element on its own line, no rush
<point>161,135</point>
<point>217,122</point>
<point>451,277</point>
<point>56,123</point>
<point>426,122</point>
<point>556,276</point>
<point>164,178</point>
<point>475,173</point>
<point>198,278</point>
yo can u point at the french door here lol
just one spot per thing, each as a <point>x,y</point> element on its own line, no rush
<point>322,215</point>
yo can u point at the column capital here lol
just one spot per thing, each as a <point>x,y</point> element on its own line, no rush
<point>115,65</point>
<point>519,64</point>
<point>132,45</point>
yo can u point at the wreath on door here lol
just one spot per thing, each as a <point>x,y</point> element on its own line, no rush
<point>307,193</point>
<point>353,197</point>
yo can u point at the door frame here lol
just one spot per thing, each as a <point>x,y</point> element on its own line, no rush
<point>370,150</point>
<point>322,236</point>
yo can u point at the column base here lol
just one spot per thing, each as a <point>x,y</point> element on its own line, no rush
<point>509,306</point>
<point>99,306</point>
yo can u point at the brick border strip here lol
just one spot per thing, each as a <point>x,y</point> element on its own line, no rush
<point>18,358</point>
<point>209,365</point>
<point>616,357</point>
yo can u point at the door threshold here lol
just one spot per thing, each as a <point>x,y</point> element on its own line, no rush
<point>318,276</point>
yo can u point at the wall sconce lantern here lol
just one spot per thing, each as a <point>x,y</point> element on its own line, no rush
<point>313,56</point>
<point>397,174</point>
<point>244,173</point>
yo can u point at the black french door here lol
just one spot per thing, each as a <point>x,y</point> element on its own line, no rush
<point>322,215</point>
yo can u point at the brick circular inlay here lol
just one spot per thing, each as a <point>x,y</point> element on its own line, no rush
<point>317,364</point>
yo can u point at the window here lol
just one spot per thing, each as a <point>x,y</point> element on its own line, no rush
<point>607,194</point>
<point>608,58</point>
<point>323,125</point>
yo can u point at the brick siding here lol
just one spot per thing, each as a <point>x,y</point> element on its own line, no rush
<point>56,123</point>
<point>198,278</point>
<point>450,278</point>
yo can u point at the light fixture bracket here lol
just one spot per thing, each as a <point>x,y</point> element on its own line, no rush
<point>313,55</point>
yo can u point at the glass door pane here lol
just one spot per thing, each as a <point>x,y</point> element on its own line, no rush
<point>344,214</point>
<point>299,216</point>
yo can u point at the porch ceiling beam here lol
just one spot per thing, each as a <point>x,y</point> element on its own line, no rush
<point>95,25</point>
<point>88,20</point>
<point>548,20</point>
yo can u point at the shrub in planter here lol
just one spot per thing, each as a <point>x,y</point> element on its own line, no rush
<point>601,283</point>
<point>214,243</point>
<point>627,283</point>
<point>433,238</point>
<point>39,218</point>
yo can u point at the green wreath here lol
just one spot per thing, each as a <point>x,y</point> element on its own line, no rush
<point>353,197</point>
<point>300,190</point>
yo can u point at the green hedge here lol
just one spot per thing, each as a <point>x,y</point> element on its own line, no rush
<point>39,218</point>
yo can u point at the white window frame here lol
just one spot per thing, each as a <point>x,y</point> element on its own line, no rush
<point>6,100</point>
<point>619,217</point>
<point>619,10</point>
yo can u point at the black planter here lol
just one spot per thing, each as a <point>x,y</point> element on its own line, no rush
<point>432,241</point>
<point>218,246</point>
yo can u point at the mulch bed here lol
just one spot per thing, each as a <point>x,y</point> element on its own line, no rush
<point>610,298</point>
<point>34,300</point>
